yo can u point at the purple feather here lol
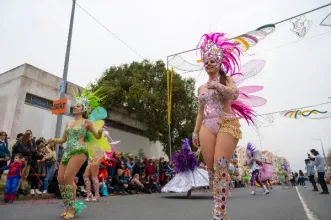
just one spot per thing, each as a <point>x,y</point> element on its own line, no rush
<point>184,160</point>
<point>250,147</point>
<point>186,144</point>
<point>285,167</point>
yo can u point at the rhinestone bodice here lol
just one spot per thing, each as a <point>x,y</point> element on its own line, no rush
<point>212,103</point>
<point>73,135</point>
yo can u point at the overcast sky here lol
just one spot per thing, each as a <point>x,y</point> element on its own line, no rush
<point>35,32</point>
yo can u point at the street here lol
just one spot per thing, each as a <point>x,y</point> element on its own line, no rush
<point>278,205</point>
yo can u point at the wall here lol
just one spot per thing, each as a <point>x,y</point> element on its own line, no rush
<point>9,92</point>
<point>40,121</point>
<point>131,143</point>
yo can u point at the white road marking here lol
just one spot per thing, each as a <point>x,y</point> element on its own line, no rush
<point>310,214</point>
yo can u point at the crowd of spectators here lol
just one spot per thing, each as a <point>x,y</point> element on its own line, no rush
<point>119,174</point>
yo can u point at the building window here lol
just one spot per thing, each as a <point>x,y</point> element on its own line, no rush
<point>38,101</point>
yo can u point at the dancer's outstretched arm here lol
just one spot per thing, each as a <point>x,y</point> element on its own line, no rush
<point>60,140</point>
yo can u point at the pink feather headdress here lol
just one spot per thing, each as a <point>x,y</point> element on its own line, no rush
<point>217,45</point>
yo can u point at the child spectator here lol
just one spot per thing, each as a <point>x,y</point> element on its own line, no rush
<point>126,177</point>
<point>13,177</point>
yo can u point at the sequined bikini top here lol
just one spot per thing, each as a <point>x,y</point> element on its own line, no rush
<point>74,133</point>
<point>212,103</point>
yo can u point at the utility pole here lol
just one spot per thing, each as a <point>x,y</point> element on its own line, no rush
<point>65,73</point>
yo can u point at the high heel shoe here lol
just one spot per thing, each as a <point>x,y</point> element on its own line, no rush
<point>95,199</point>
<point>89,198</point>
<point>64,197</point>
<point>70,215</point>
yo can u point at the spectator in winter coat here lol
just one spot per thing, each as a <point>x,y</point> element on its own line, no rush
<point>103,169</point>
<point>130,164</point>
<point>139,168</point>
<point>118,182</point>
<point>150,169</point>
<point>18,137</point>
<point>4,152</point>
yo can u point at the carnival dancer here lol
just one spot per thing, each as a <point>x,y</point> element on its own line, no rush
<point>217,129</point>
<point>80,135</point>
<point>189,175</point>
<point>91,172</point>
<point>246,177</point>
<point>253,159</point>
<point>266,175</point>
<point>283,176</point>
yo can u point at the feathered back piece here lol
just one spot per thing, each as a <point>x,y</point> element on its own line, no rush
<point>251,148</point>
<point>217,45</point>
<point>284,167</point>
<point>186,144</point>
<point>90,100</point>
<point>185,160</point>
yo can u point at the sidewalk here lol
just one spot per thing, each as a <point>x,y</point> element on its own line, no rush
<point>21,197</point>
<point>32,197</point>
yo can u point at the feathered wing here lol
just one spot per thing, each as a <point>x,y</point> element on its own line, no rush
<point>97,147</point>
<point>248,70</point>
<point>242,107</point>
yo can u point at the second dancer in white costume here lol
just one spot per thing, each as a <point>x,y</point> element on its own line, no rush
<point>188,174</point>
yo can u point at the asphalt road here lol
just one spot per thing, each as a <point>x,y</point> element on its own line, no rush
<point>278,205</point>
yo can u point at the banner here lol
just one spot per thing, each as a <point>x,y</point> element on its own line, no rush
<point>59,106</point>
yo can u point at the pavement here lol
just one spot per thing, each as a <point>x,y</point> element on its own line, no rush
<point>278,205</point>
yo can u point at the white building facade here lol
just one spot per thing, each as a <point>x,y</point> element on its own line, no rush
<point>26,99</point>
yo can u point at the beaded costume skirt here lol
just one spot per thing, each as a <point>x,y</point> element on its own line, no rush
<point>184,181</point>
<point>230,125</point>
<point>73,150</point>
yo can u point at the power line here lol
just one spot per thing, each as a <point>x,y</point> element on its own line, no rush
<point>309,106</point>
<point>293,42</point>
<point>276,23</point>
<point>111,32</point>
<point>307,12</point>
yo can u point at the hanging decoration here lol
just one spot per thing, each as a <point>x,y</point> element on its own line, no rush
<point>250,39</point>
<point>301,25</point>
<point>296,114</point>
<point>170,75</point>
<point>326,21</point>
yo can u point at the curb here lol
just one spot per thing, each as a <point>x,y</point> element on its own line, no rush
<point>32,197</point>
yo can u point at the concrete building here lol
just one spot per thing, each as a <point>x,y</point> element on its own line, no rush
<point>26,99</point>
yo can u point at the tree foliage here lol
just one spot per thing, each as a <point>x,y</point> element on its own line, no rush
<point>141,89</point>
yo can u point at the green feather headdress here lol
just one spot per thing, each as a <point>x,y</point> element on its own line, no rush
<point>88,99</point>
